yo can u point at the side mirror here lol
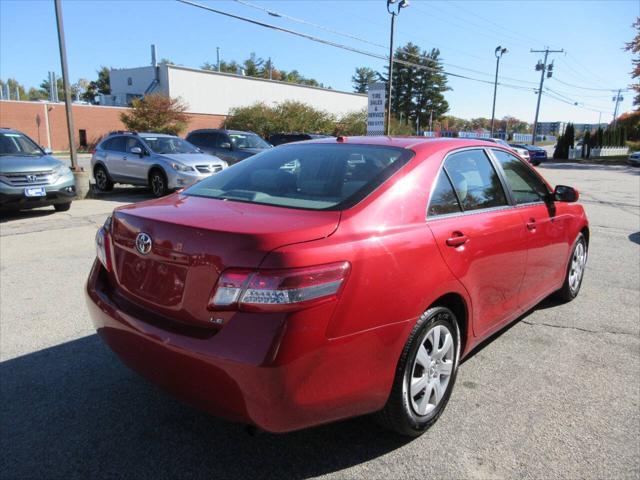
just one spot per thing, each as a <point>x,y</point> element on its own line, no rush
<point>136,151</point>
<point>47,151</point>
<point>225,145</point>
<point>564,193</point>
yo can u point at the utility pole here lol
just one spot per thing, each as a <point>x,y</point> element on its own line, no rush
<point>542,66</point>
<point>401,4</point>
<point>617,98</point>
<point>499,52</point>
<point>218,58</point>
<point>65,83</point>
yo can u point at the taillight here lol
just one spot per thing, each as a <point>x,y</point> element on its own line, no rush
<point>103,246</point>
<point>278,290</point>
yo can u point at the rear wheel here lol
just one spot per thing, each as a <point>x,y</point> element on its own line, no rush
<point>62,207</point>
<point>103,181</point>
<point>575,271</point>
<point>158,183</point>
<point>425,374</point>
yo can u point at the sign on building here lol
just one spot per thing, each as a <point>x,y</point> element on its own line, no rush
<point>375,111</point>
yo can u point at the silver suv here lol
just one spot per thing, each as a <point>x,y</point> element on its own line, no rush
<point>163,162</point>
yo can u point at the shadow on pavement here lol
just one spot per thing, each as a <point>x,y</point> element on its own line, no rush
<point>123,194</point>
<point>74,411</point>
<point>9,215</point>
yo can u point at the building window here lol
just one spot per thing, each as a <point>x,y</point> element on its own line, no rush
<point>82,134</point>
<point>129,81</point>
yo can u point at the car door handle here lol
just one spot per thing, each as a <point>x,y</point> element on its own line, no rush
<point>457,239</point>
<point>531,224</point>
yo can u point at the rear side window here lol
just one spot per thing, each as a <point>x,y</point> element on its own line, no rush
<point>443,199</point>
<point>197,139</point>
<point>525,185</point>
<point>475,181</point>
<point>116,144</point>
<point>314,176</point>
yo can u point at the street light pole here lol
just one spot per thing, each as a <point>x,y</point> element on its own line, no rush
<point>401,4</point>
<point>499,52</point>
<point>65,83</point>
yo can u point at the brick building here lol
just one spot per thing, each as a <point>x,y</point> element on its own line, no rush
<point>46,122</point>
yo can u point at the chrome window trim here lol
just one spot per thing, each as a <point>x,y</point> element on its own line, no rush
<point>507,191</point>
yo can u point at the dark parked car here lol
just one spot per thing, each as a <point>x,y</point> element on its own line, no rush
<point>537,155</point>
<point>333,278</point>
<point>30,177</point>
<point>280,138</point>
<point>229,145</point>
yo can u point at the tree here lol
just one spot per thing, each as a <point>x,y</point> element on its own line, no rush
<point>34,95</point>
<point>158,113</point>
<point>253,66</point>
<point>166,61</point>
<point>634,47</point>
<point>14,86</point>
<point>100,86</point>
<point>353,123</point>
<point>363,77</point>
<point>45,88</point>
<point>418,89</point>
<point>565,142</point>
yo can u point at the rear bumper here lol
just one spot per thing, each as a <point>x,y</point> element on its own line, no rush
<point>276,371</point>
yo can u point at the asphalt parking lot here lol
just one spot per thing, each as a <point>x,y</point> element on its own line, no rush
<point>556,395</point>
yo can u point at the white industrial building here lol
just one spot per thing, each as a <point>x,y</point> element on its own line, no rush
<point>215,93</point>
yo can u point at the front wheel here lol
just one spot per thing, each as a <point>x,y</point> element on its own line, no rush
<point>425,374</point>
<point>158,183</point>
<point>575,271</point>
<point>103,181</point>
<point>62,207</point>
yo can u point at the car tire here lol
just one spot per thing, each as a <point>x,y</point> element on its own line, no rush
<point>575,271</point>
<point>62,207</point>
<point>103,180</point>
<point>535,164</point>
<point>409,410</point>
<point>158,183</point>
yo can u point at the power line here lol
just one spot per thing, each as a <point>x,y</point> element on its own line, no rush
<point>587,88</point>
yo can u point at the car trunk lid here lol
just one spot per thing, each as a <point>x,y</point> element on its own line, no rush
<point>193,240</point>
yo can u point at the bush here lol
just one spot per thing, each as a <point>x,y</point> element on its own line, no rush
<point>285,117</point>
<point>157,113</point>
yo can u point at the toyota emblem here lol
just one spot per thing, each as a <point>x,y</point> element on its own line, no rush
<point>143,243</point>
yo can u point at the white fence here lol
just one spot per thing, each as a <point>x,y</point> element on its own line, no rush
<point>599,152</point>
<point>527,137</point>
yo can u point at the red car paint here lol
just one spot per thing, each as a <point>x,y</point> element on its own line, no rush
<point>285,370</point>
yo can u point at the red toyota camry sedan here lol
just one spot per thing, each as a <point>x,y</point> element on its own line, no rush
<point>326,279</point>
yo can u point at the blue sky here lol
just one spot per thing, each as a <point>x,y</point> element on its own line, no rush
<point>118,34</point>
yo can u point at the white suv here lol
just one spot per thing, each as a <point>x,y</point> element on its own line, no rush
<point>163,162</point>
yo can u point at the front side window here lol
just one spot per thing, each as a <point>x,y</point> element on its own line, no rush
<point>132,143</point>
<point>443,199</point>
<point>169,145</point>
<point>313,176</point>
<point>525,185</point>
<point>475,180</point>
<point>12,144</point>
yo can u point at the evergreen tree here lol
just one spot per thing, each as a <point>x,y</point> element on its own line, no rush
<point>362,78</point>
<point>100,86</point>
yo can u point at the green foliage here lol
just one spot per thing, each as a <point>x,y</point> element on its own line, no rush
<point>289,116</point>
<point>257,67</point>
<point>362,78</point>
<point>157,113</point>
<point>14,86</point>
<point>418,91</point>
<point>565,142</point>
<point>353,123</point>
<point>101,85</point>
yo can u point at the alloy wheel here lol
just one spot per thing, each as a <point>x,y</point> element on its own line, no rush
<point>101,179</point>
<point>578,261</point>
<point>431,370</point>
<point>157,185</point>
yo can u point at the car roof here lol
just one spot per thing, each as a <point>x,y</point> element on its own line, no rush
<point>413,143</point>
<point>154,135</point>
<point>10,130</point>
<point>221,130</point>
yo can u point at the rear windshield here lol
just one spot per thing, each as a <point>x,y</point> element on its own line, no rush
<point>314,176</point>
